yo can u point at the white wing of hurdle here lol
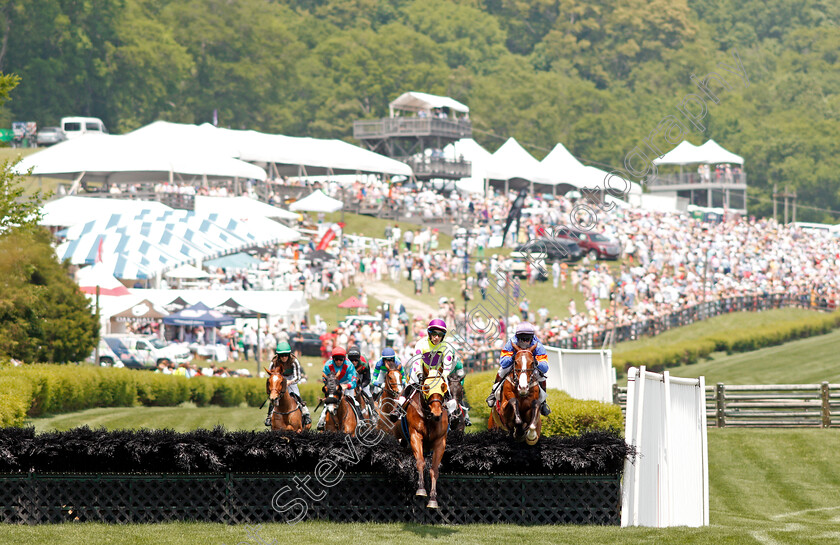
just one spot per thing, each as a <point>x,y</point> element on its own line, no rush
<point>583,374</point>
<point>668,483</point>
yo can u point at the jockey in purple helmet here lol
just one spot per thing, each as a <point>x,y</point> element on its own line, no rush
<point>524,339</point>
<point>433,353</point>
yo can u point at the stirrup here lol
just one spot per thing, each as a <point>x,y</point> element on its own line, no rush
<point>268,421</point>
<point>307,420</point>
<point>491,400</point>
<point>544,409</point>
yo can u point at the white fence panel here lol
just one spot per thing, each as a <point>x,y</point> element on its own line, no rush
<point>668,483</point>
<point>583,374</point>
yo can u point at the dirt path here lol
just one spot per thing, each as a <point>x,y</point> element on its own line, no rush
<point>384,292</point>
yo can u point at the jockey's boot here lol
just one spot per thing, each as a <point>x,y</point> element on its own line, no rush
<point>268,416</point>
<point>322,420</point>
<point>467,421</point>
<point>491,399</point>
<point>544,410</point>
<point>406,395</point>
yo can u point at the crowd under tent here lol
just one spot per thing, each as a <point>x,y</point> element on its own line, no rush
<point>122,159</point>
<point>416,102</point>
<point>317,201</point>
<point>241,208</point>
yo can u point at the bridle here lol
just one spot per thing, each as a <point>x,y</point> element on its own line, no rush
<point>388,382</point>
<point>281,394</point>
<point>519,368</point>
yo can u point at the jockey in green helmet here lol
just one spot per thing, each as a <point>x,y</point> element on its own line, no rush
<point>290,365</point>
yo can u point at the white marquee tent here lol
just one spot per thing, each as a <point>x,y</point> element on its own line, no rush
<point>512,161</point>
<point>414,101</point>
<point>317,201</point>
<point>241,208</point>
<point>71,210</point>
<point>123,159</point>
<point>710,153</point>
<point>291,305</point>
<point>479,159</point>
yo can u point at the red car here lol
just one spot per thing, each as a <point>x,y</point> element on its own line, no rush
<point>595,245</point>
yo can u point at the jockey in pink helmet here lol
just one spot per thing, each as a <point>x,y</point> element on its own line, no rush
<point>525,338</point>
<point>433,353</point>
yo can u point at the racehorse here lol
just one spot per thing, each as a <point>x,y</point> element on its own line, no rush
<point>387,406</point>
<point>340,413</point>
<point>285,413</point>
<point>456,390</point>
<point>428,422</point>
<point>519,409</point>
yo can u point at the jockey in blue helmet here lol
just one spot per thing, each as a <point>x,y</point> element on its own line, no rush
<point>380,369</point>
<point>524,338</point>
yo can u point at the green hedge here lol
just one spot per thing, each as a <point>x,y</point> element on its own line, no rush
<point>37,390</point>
<point>657,359</point>
<point>569,417</point>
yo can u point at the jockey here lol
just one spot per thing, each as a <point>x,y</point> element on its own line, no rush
<point>362,375</point>
<point>292,371</point>
<point>433,353</point>
<point>345,374</point>
<point>380,370</point>
<point>524,339</point>
<point>459,372</point>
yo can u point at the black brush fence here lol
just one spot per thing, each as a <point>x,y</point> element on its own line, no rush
<point>248,477</point>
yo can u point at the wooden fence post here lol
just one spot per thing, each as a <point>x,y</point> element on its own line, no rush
<point>720,405</point>
<point>826,407</point>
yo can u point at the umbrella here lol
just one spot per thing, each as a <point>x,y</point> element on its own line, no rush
<point>99,275</point>
<point>353,302</point>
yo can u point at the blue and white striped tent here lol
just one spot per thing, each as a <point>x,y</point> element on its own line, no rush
<point>149,243</point>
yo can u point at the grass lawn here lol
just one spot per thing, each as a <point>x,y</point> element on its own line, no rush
<point>767,487</point>
<point>805,361</point>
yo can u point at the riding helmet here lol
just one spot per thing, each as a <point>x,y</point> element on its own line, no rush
<point>354,353</point>
<point>436,324</point>
<point>283,347</point>
<point>388,352</point>
<point>525,332</point>
<point>339,351</point>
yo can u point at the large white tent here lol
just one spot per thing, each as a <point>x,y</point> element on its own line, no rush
<point>71,210</point>
<point>710,153</point>
<point>241,208</point>
<point>479,159</point>
<point>291,305</point>
<point>317,201</point>
<point>563,168</point>
<point>281,155</point>
<point>512,161</point>
<point>123,159</point>
<point>414,101</point>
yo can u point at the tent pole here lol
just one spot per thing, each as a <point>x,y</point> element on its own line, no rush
<point>259,346</point>
<point>75,187</point>
<point>99,326</point>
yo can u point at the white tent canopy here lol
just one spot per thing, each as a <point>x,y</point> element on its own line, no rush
<point>317,201</point>
<point>414,101</point>
<point>71,210</point>
<point>513,161</point>
<point>241,208</point>
<point>282,155</point>
<point>563,168</point>
<point>287,304</point>
<point>479,159</point>
<point>123,159</point>
<point>187,272</point>
<point>710,153</point>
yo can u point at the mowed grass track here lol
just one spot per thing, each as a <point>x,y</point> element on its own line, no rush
<point>767,487</point>
<point>805,361</point>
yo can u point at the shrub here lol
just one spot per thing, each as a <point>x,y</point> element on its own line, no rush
<point>201,390</point>
<point>15,398</point>
<point>159,390</point>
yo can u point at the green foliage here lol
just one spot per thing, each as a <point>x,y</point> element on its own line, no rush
<point>569,417</point>
<point>37,390</point>
<point>657,359</point>
<point>43,315</point>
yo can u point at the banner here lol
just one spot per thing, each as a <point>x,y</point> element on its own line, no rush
<point>328,237</point>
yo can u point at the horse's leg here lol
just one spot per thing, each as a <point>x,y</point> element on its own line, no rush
<point>517,418</point>
<point>437,455</point>
<point>535,425</point>
<point>417,448</point>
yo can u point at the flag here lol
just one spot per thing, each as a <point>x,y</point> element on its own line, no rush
<point>99,251</point>
<point>329,236</point>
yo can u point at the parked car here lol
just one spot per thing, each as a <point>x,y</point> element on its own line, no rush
<point>78,126</point>
<point>49,136</point>
<point>555,249</point>
<point>359,320</point>
<point>148,350</point>
<point>114,353</point>
<point>519,267</point>
<point>307,343</point>
<point>595,245</point>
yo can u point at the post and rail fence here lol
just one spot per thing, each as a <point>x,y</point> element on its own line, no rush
<point>766,405</point>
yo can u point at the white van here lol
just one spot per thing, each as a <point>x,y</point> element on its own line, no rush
<point>77,126</point>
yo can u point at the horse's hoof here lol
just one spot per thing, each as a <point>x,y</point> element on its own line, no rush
<point>432,504</point>
<point>421,492</point>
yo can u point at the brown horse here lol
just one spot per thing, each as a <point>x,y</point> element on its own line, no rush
<point>285,413</point>
<point>388,410</point>
<point>340,414</point>
<point>519,410</point>
<point>428,422</point>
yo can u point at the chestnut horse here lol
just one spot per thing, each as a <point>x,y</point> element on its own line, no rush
<point>519,410</point>
<point>389,411</point>
<point>340,414</point>
<point>285,413</point>
<point>428,422</point>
